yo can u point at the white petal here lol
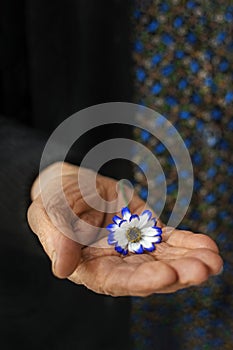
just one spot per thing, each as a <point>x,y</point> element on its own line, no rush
<point>146,244</point>
<point>158,239</point>
<point>119,233</point>
<point>126,214</point>
<point>112,227</point>
<point>125,225</point>
<point>135,247</point>
<point>150,232</point>
<point>121,238</point>
<point>132,247</point>
<point>123,246</point>
<point>146,224</point>
<point>145,216</point>
<point>152,239</point>
<point>134,222</point>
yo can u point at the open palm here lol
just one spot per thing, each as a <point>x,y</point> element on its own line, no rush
<point>181,260</point>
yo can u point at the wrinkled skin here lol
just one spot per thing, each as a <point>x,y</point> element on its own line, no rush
<point>182,259</point>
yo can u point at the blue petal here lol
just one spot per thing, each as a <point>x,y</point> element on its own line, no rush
<point>125,252</point>
<point>122,222</point>
<point>159,238</point>
<point>139,250</point>
<point>125,213</point>
<point>134,216</point>
<point>150,249</point>
<point>119,249</point>
<point>111,235</point>
<point>111,227</point>
<point>116,219</point>
<point>155,222</point>
<point>111,238</point>
<point>158,229</point>
<point>148,213</point>
<point>110,241</point>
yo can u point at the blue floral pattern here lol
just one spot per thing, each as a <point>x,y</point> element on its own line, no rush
<point>183,56</point>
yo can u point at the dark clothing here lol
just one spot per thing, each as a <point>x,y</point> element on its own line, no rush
<point>57,58</point>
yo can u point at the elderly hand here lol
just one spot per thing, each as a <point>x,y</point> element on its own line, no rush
<point>182,259</point>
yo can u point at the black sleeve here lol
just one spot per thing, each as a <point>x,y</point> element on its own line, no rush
<point>21,148</point>
<point>38,310</point>
<point>34,304</point>
<point>55,60</point>
<point>20,152</point>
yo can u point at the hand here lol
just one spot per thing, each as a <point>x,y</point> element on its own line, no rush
<point>183,259</point>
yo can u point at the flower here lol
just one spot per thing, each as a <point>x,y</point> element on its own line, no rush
<point>134,233</point>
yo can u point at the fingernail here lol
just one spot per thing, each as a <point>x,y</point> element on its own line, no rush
<point>220,272</point>
<point>54,258</point>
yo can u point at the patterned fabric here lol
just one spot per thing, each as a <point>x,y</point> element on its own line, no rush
<point>183,53</point>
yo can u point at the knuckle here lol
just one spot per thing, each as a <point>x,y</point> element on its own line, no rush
<point>31,216</point>
<point>218,265</point>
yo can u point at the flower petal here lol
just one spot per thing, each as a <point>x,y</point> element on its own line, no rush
<point>122,242</point>
<point>134,216</point>
<point>122,249</point>
<point>120,237</point>
<point>116,219</point>
<point>122,222</point>
<point>112,227</point>
<point>111,238</point>
<point>135,247</point>
<point>145,217</point>
<point>126,213</point>
<point>152,231</point>
<point>125,225</point>
<point>119,249</point>
<point>151,249</point>
<point>125,252</point>
<point>156,239</point>
<point>147,213</point>
<point>151,234</point>
<point>151,223</point>
<point>149,246</point>
<point>134,221</point>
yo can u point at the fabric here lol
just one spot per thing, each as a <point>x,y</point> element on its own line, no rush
<point>183,56</point>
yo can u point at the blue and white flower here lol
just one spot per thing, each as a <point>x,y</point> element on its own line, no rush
<point>134,233</point>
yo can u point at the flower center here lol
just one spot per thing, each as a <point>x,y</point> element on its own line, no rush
<point>133,235</point>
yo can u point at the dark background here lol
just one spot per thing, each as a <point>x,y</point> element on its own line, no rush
<point>57,57</point>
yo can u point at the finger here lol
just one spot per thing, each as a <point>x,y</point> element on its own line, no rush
<point>187,239</point>
<point>93,274</point>
<point>64,252</point>
<point>115,277</point>
<point>190,271</point>
<point>150,277</point>
<point>164,251</point>
<point>209,258</point>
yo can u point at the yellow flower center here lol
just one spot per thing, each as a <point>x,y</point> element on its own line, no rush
<point>133,235</point>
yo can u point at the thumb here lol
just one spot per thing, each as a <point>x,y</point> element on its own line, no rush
<point>64,252</point>
<point>65,256</point>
